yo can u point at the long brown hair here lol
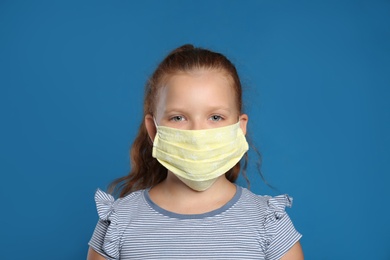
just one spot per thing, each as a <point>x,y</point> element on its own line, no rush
<point>146,171</point>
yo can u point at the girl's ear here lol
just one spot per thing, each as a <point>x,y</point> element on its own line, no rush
<point>150,126</point>
<point>243,122</point>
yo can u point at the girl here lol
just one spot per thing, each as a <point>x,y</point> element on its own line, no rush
<point>180,200</point>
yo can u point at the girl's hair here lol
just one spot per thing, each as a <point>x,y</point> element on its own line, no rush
<point>146,171</point>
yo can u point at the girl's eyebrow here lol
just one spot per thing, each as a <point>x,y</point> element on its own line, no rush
<point>219,108</point>
<point>184,108</point>
<point>173,109</point>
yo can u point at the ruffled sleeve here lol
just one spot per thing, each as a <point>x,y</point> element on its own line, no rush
<point>106,239</point>
<point>281,234</point>
<point>277,207</point>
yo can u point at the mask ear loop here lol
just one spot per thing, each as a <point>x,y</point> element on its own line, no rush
<point>155,123</point>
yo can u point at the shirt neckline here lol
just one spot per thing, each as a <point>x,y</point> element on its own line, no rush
<point>212,213</point>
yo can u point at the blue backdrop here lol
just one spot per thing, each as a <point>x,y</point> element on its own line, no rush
<point>316,76</point>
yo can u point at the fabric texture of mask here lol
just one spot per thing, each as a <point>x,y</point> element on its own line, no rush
<point>199,157</point>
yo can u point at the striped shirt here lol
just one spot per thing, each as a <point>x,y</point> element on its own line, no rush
<point>249,226</point>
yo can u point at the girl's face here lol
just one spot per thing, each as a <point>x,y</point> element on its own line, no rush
<point>201,100</point>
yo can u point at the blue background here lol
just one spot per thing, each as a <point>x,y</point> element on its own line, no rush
<point>316,76</point>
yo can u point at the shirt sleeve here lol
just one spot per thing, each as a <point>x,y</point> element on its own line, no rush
<point>281,233</point>
<point>97,239</point>
<point>105,238</point>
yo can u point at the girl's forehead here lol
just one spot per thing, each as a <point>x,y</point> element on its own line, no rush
<point>217,79</point>
<point>203,88</point>
<point>206,81</point>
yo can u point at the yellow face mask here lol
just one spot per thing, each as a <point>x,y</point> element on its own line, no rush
<point>199,157</point>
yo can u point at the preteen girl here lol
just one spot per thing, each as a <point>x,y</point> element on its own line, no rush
<point>180,200</point>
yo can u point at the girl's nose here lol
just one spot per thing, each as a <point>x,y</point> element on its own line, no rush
<point>197,125</point>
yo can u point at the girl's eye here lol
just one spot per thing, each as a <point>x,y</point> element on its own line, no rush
<point>216,118</point>
<point>177,118</point>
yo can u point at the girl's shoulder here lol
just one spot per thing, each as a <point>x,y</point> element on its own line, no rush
<point>278,233</point>
<point>114,215</point>
<point>272,206</point>
<point>107,206</point>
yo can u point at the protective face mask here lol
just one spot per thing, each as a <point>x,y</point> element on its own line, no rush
<point>199,157</point>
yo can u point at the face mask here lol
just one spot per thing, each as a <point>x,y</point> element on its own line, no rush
<point>199,157</point>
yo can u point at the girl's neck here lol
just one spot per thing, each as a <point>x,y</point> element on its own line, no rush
<point>173,195</point>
